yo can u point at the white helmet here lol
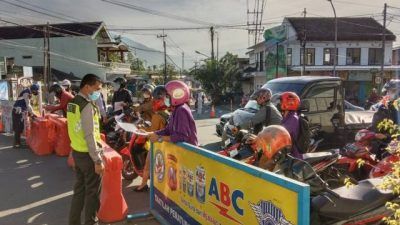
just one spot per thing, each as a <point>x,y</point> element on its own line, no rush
<point>66,83</point>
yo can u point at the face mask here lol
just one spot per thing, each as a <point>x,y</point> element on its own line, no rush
<point>94,96</point>
<point>145,95</point>
<point>167,102</point>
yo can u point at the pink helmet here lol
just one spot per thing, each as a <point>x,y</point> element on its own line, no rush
<point>178,91</point>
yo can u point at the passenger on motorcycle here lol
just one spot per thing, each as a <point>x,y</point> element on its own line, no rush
<point>181,126</point>
<point>64,97</point>
<point>122,97</point>
<point>158,121</point>
<point>145,109</point>
<point>268,113</point>
<point>289,104</point>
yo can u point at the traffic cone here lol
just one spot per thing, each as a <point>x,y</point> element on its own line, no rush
<point>212,112</point>
<point>1,124</point>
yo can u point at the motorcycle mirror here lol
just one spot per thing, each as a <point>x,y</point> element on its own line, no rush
<point>147,124</point>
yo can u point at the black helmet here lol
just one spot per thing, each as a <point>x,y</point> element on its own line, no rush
<point>148,87</point>
<point>56,88</point>
<point>392,84</point>
<point>159,92</point>
<point>121,81</point>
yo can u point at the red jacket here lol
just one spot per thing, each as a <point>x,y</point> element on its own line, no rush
<point>64,100</point>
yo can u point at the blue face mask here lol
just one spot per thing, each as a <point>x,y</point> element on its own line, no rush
<point>167,102</point>
<point>94,96</point>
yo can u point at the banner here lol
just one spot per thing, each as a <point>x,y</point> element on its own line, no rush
<point>194,186</point>
<point>4,93</point>
<point>275,58</point>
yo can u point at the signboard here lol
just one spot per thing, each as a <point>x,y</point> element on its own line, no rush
<point>4,92</point>
<point>28,72</point>
<point>275,59</point>
<point>3,68</point>
<point>191,185</point>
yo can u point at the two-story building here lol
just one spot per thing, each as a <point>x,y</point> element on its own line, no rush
<point>310,41</point>
<point>75,49</point>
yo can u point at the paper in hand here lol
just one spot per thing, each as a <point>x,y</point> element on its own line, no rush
<point>129,127</point>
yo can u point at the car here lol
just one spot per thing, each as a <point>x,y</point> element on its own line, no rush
<point>323,103</point>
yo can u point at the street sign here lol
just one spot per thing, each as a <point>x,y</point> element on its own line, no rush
<point>28,72</point>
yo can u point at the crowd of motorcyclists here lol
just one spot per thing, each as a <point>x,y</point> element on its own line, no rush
<point>276,129</point>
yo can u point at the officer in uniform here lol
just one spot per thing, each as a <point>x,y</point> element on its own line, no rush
<point>84,131</point>
<point>21,106</point>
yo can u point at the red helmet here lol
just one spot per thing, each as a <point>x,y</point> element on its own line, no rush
<point>290,101</point>
<point>364,135</point>
<point>159,105</point>
<point>178,91</point>
<point>273,139</point>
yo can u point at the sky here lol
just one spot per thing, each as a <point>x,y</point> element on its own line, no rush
<point>193,14</point>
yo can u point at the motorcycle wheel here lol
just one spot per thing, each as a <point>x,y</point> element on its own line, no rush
<point>128,171</point>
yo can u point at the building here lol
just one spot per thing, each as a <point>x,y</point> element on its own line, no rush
<point>359,52</point>
<point>396,55</point>
<point>75,50</point>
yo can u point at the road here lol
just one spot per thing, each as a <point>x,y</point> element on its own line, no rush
<point>37,190</point>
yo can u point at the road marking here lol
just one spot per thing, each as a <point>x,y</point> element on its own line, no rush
<point>32,218</point>
<point>35,185</point>
<point>8,212</point>
<point>6,147</point>
<point>33,178</point>
<point>22,161</point>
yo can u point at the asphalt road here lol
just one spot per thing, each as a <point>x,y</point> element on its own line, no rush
<point>37,190</point>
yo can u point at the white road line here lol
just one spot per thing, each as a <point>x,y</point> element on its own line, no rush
<point>8,212</point>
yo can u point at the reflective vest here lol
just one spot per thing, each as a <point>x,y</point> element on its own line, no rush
<point>75,132</point>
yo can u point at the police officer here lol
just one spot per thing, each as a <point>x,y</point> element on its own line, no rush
<point>83,128</point>
<point>21,106</point>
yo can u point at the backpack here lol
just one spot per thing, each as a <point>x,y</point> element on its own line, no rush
<point>303,139</point>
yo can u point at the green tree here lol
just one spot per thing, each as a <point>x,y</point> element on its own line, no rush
<point>136,63</point>
<point>219,78</point>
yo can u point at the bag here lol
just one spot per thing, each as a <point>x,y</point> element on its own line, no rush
<point>303,139</point>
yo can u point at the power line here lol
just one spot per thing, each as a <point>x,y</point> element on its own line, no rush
<point>157,13</point>
<point>30,9</point>
<point>356,3</point>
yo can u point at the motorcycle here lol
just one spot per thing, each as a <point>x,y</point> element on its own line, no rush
<point>135,153</point>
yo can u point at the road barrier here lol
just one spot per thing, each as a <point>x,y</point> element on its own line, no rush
<point>41,136</point>
<point>191,185</point>
<point>62,146</point>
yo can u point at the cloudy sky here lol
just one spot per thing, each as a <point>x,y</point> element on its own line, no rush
<point>193,14</point>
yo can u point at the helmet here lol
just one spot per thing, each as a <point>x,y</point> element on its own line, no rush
<point>159,105</point>
<point>273,139</point>
<point>147,88</point>
<point>260,92</point>
<point>178,91</point>
<point>34,87</point>
<point>66,83</point>
<point>289,101</point>
<point>159,92</point>
<point>364,135</point>
<point>121,81</point>
<point>56,88</point>
<point>392,84</point>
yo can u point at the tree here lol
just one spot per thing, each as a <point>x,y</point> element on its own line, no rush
<point>219,78</point>
<point>136,63</point>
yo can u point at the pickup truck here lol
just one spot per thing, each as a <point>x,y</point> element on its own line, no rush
<point>323,103</point>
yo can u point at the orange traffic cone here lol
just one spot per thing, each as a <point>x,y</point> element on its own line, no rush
<point>212,112</point>
<point>1,124</point>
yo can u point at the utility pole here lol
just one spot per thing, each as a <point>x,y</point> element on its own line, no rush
<point>46,57</point>
<point>163,36</point>
<point>383,47</point>
<point>277,60</point>
<point>212,43</point>
<point>183,63</point>
<point>335,43</point>
<point>303,44</point>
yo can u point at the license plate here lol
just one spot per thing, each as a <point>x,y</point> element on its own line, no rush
<point>233,153</point>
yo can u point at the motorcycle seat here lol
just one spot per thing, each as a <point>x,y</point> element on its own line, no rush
<point>318,156</point>
<point>357,199</point>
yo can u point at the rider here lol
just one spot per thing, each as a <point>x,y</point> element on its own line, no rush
<point>158,122</point>
<point>64,97</point>
<point>122,97</point>
<point>289,104</point>
<point>66,84</point>
<point>21,106</point>
<point>181,126</point>
<point>145,109</point>
<point>268,113</point>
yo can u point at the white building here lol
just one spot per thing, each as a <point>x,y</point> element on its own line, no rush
<point>359,49</point>
<point>75,50</point>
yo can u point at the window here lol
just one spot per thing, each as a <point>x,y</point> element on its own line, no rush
<point>289,57</point>
<point>261,61</point>
<point>328,56</point>
<point>27,57</point>
<point>374,56</point>
<point>310,56</point>
<point>321,99</point>
<point>353,56</point>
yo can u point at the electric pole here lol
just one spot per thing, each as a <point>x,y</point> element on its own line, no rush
<point>383,47</point>
<point>183,63</point>
<point>303,44</point>
<point>212,43</point>
<point>46,57</point>
<point>163,36</point>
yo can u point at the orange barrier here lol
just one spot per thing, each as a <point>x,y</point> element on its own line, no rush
<point>1,123</point>
<point>62,145</point>
<point>212,112</point>
<point>41,136</point>
<point>113,206</point>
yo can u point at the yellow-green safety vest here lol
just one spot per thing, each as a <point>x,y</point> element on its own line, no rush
<point>75,132</point>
